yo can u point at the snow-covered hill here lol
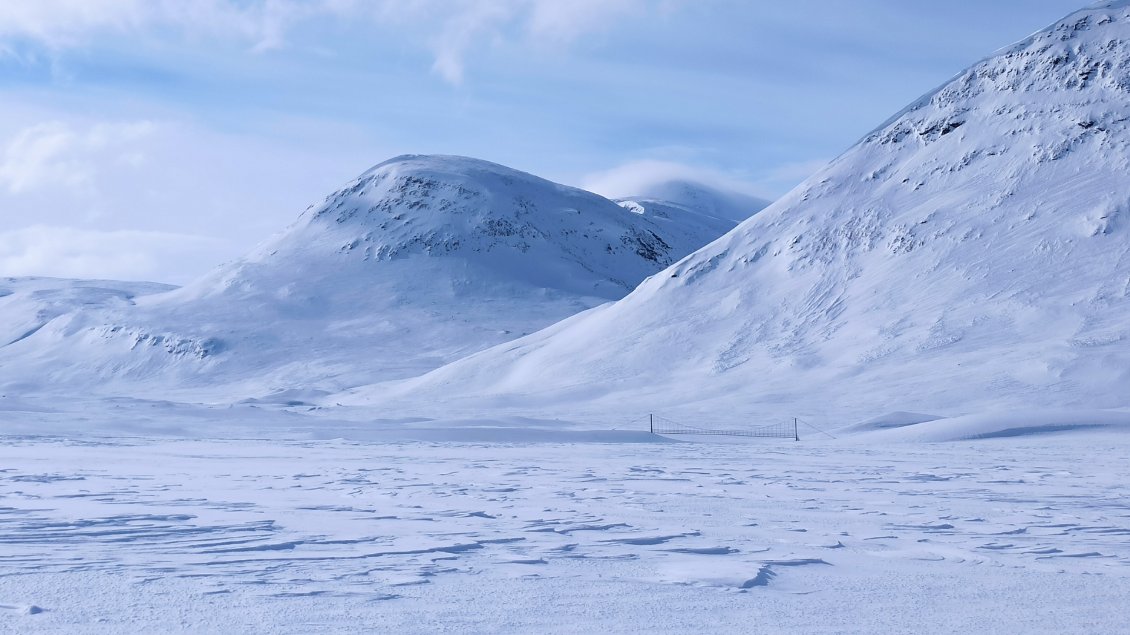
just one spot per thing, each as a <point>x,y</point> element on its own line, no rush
<point>971,254</point>
<point>698,198</point>
<point>419,261</point>
<point>692,204</point>
<point>29,304</point>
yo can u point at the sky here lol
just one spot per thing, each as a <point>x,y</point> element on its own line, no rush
<point>155,139</point>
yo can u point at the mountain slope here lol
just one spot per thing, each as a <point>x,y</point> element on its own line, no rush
<point>419,261</point>
<point>29,304</point>
<point>972,253</point>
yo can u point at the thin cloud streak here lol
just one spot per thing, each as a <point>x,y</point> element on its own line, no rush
<point>68,252</point>
<point>635,177</point>
<point>55,154</point>
<point>454,29</point>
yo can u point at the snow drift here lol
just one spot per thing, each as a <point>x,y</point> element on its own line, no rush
<point>1001,425</point>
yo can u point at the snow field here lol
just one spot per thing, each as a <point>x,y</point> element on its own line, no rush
<point>136,535</point>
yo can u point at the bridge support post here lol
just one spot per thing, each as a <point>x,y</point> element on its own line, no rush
<point>651,423</point>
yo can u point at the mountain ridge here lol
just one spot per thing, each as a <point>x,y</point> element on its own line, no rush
<point>418,261</point>
<point>968,254</point>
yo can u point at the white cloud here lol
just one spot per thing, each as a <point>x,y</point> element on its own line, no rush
<point>636,177</point>
<point>36,154</point>
<point>55,154</point>
<point>68,252</point>
<point>172,181</point>
<point>564,22</point>
<point>61,24</point>
<point>452,29</point>
<point>529,23</point>
<point>785,177</point>
<point>463,28</point>
<point>535,23</point>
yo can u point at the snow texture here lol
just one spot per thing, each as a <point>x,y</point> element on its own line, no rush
<point>164,535</point>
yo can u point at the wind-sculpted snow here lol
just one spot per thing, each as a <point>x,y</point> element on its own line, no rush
<point>144,535</point>
<point>419,261</point>
<point>973,253</point>
<point>996,425</point>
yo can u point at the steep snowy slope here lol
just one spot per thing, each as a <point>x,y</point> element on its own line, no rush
<point>420,260</point>
<point>969,254</point>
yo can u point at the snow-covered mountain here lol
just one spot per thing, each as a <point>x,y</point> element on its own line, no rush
<point>972,253</point>
<point>694,204</point>
<point>697,198</point>
<point>419,261</point>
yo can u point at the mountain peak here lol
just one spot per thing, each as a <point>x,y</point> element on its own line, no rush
<point>970,253</point>
<point>450,165</point>
<point>416,262</point>
<point>700,198</point>
<point>441,206</point>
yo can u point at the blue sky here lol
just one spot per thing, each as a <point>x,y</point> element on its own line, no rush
<point>153,139</point>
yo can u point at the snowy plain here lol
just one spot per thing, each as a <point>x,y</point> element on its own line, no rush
<point>166,534</point>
